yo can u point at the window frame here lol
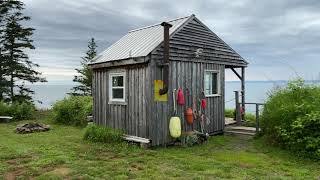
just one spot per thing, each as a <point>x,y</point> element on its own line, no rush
<point>218,82</point>
<point>117,100</point>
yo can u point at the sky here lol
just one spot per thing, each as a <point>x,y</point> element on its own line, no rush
<point>279,38</point>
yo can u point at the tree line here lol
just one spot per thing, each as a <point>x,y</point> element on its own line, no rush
<point>16,68</point>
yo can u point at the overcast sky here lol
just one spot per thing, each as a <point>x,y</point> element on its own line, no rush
<point>278,38</point>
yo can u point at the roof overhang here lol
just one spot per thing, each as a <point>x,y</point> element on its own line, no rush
<point>119,62</point>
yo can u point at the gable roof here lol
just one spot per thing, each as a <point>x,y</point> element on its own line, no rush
<point>142,41</point>
<point>138,42</point>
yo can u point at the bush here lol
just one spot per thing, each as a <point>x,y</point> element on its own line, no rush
<point>96,133</point>
<point>230,113</point>
<point>291,118</point>
<point>250,120</point>
<point>18,110</point>
<point>73,110</point>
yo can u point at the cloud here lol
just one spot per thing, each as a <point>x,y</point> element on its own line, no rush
<point>272,35</point>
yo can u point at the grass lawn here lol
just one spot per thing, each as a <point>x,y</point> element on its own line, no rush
<point>61,153</point>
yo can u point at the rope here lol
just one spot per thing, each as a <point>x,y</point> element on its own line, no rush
<point>230,100</point>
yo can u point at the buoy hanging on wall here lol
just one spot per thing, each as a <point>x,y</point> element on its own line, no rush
<point>203,103</point>
<point>180,97</point>
<point>189,116</point>
<point>175,127</point>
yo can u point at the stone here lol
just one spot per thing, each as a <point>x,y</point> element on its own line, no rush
<point>31,127</point>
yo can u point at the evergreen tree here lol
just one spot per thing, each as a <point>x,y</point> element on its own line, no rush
<point>3,81</point>
<point>85,73</point>
<point>15,38</point>
<point>5,6</point>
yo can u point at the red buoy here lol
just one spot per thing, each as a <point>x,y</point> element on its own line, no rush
<point>180,97</point>
<point>203,103</point>
<point>189,116</point>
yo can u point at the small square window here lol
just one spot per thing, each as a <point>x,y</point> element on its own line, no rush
<point>211,83</point>
<point>117,87</point>
<point>117,93</point>
<point>117,81</point>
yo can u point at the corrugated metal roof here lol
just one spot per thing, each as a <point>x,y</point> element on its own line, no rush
<point>138,43</point>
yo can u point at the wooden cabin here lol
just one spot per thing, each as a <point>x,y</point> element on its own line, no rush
<point>182,53</point>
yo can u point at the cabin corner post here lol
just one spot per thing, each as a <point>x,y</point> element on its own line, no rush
<point>243,92</point>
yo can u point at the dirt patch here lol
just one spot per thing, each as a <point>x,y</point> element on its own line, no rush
<point>59,171</point>
<point>12,175</point>
<point>12,162</point>
<point>16,163</point>
<point>115,157</point>
<point>19,160</point>
<point>52,169</point>
<point>135,167</point>
<point>245,165</point>
<point>62,171</point>
<point>47,168</point>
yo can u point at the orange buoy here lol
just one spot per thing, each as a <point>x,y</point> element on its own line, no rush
<point>189,116</point>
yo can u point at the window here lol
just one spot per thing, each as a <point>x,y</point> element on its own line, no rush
<point>117,87</point>
<point>211,83</point>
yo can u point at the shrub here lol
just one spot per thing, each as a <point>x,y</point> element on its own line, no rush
<point>291,117</point>
<point>229,113</point>
<point>96,133</point>
<point>250,120</point>
<point>18,110</point>
<point>72,110</point>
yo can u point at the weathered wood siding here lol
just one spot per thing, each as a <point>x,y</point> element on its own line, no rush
<point>130,116</point>
<point>188,76</point>
<point>187,72</point>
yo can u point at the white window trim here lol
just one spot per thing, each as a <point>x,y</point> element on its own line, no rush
<point>112,100</point>
<point>219,82</point>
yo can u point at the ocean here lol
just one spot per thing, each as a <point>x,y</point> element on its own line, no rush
<point>256,91</point>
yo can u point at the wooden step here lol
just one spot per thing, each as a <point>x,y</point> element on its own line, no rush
<point>229,121</point>
<point>239,133</point>
<point>241,128</point>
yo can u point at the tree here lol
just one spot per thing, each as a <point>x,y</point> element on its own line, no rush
<point>3,81</point>
<point>5,7</point>
<point>15,63</point>
<point>85,74</point>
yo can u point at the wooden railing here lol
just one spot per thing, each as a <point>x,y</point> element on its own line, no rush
<point>240,111</point>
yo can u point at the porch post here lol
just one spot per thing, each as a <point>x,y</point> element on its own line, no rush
<point>237,103</point>
<point>243,92</point>
<point>257,119</point>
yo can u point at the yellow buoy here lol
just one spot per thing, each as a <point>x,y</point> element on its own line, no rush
<point>175,127</point>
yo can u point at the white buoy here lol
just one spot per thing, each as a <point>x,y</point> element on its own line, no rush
<point>175,122</point>
<point>175,127</point>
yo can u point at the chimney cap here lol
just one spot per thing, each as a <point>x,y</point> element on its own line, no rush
<point>166,24</point>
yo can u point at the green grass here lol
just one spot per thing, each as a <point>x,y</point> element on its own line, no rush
<point>61,153</point>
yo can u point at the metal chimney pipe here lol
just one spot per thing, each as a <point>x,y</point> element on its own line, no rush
<point>165,73</point>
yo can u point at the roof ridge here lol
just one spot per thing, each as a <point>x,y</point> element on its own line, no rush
<point>150,26</point>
